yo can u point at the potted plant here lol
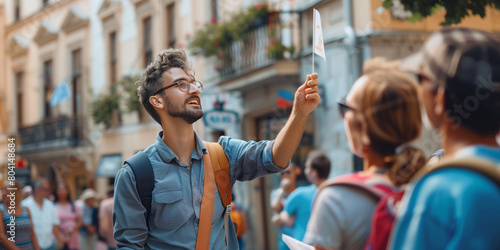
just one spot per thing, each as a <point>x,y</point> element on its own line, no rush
<point>106,108</point>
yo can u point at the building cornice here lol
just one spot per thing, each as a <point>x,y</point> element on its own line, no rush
<point>75,19</point>
<point>36,18</point>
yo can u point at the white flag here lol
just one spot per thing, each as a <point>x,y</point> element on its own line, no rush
<point>318,46</point>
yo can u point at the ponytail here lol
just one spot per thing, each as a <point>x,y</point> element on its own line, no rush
<point>404,164</point>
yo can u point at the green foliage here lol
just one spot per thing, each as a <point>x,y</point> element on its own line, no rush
<point>456,10</point>
<point>111,101</point>
<point>132,99</point>
<point>214,37</point>
<point>276,50</point>
<point>104,105</point>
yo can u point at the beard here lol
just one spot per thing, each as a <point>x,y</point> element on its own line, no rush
<point>188,115</point>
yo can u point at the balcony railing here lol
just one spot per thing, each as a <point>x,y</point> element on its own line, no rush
<point>52,134</point>
<point>262,47</point>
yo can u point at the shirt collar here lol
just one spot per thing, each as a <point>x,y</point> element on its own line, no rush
<point>167,155</point>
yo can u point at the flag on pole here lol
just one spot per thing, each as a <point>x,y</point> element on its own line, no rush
<point>61,94</point>
<point>318,45</point>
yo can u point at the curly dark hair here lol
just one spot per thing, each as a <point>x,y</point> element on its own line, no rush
<point>151,80</point>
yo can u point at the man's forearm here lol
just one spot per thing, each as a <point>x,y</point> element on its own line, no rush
<point>286,219</point>
<point>57,233</point>
<point>288,140</point>
<point>305,101</point>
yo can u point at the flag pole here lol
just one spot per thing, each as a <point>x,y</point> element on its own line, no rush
<point>314,31</point>
<point>313,62</point>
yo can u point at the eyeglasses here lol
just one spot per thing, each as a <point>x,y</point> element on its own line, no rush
<point>343,107</point>
<point>184,86</point>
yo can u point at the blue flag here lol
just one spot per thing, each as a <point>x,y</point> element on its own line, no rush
<point>61,94</point>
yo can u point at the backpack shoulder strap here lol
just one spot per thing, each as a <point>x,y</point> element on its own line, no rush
<point>483,167</point>
<point>222,171</point>
<point>144,178</point>
<point>372,190</point>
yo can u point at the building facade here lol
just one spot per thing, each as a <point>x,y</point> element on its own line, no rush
<point>45,50</point>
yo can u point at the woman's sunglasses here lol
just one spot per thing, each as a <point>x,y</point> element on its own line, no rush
<point>343,107</point>
<point>421,77</point>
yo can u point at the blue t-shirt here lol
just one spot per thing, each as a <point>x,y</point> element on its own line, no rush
<point>299,203</point>
<point>451,208</point>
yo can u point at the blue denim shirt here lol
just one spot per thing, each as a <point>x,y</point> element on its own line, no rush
<point>175,210</point>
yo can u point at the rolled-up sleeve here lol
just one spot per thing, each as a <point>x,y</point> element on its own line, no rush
<point>249,159</point>
<point>129,222</point>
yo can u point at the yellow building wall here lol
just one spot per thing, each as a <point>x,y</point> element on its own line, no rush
<point>384,20</point>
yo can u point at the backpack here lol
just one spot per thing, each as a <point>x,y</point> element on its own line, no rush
<point>385,212</point>
<point>375,187</point>
<point>145,179</point>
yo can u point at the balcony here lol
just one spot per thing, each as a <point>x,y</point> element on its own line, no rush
<point>255,46</point>
<point>258,51</point>
<point>54,133</point>
<point>261,58</point>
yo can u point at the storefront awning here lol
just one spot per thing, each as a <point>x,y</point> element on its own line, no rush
<point>109,165</point>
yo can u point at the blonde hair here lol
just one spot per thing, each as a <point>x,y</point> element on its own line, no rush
<point>390,112</point>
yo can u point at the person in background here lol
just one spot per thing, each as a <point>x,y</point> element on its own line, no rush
<point>106,220</point>
<point>298,204</point>
<point>381,117</point>
<point>238,216</point>
<point>88,234</point>
<point>70,216</point>
<point>44,216</point>
<point>27,191</point>
<point>288,183</point>
<point>25,237</point>
<point>456,208</point>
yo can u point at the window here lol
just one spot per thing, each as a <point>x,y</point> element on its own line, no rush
<point>147,46</point>
<point>19,78</point>
<point>113,58</point>
<point>308,27</point>
<point>171,39</point>
<point>47,87</point>
<point>17,10</point>
<point>76,73</point>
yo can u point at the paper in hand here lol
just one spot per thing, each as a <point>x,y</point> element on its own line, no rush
<point>294,244</point>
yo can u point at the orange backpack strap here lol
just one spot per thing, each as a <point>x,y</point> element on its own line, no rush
<point>222,173</point>
<point>207,205</point>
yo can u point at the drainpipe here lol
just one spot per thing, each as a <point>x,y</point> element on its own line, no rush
<point>351,42</point>
<point>354,55</point>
